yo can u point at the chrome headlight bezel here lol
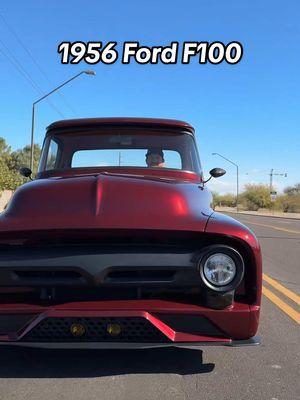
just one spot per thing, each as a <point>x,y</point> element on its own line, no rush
<point>229,252</point>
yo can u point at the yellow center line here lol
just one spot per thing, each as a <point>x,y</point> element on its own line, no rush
<point>282,305</point>
<point>288,293</point>
<point>274,227</point>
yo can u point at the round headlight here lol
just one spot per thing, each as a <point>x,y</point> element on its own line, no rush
<point>219,269</point>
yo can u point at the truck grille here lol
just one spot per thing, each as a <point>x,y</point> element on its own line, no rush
<point>133,329</point>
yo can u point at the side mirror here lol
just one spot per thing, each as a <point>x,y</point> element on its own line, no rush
<point>215,173</point>
<point>26,172</point>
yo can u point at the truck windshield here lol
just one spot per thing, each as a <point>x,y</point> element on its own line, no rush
<point>120,148</point>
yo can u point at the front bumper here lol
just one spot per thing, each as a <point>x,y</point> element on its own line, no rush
<point>143,324</point>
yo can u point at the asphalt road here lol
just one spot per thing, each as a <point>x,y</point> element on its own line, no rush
<point>269,371</point>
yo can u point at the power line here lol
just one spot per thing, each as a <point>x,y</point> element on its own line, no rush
<point>21,43</point>
<point>15,62</point>
<point>19,70</point>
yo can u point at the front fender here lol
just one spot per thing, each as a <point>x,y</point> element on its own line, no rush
<point>224,225</point>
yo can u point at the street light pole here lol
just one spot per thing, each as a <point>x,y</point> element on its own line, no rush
<point>88,72</point>
<point>32,137</point>
<point>237,188</point>
<point>237,178</point>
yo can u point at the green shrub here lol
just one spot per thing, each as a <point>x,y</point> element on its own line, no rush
<point>11,162</point>
<point>255,197</point>
<point>225,200</point>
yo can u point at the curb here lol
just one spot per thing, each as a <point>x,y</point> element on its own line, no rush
<point>259,215</point>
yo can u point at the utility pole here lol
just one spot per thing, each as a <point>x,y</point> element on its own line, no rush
<point>274,193</point>
<point>272,173</point>
<point>271,180</point>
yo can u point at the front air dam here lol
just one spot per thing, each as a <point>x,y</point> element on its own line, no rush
<point>143,324</point>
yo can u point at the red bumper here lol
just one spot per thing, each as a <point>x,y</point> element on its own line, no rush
<point>175,324</point>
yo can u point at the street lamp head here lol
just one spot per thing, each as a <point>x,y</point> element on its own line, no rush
<point>89,72</point>
<point>213,154</point>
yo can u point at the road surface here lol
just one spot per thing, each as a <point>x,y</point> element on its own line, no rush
<point>266,372</point>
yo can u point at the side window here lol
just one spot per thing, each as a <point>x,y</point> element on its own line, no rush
<point>52,155</point>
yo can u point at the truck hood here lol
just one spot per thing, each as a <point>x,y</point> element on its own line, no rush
<point>108,201</point>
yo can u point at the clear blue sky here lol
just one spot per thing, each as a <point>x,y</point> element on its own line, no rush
<point>250,112</point>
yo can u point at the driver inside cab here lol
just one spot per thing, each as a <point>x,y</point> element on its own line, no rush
<point>155,158</point>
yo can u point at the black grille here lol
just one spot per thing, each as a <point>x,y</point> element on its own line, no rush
<point>13,322</point>
<point>133,329</point>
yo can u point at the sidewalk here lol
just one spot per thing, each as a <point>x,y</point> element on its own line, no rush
<point>267,213</point>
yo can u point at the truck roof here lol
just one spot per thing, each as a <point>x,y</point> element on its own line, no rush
<point>121,121</point>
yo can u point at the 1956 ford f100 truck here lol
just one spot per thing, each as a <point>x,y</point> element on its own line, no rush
<point>115,244</point>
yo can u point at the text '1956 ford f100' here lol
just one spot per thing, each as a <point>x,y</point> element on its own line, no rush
<point>114,244</point>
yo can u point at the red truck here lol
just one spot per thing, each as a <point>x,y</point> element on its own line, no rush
<point>114,244</point>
